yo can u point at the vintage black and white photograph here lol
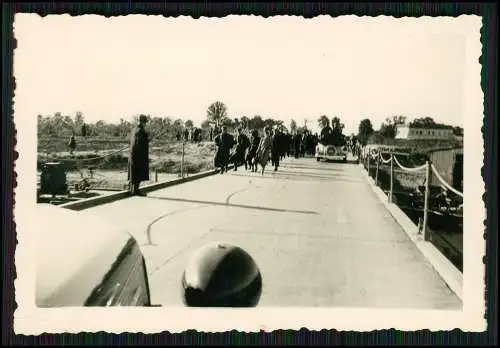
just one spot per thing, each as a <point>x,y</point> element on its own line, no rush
<point>323,165</point>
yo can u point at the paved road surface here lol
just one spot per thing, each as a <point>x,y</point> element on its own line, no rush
<point>319,234</point>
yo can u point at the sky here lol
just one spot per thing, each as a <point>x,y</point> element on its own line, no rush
<point>281,67</point>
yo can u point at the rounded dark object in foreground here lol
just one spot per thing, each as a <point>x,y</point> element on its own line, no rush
<point>221,275</point>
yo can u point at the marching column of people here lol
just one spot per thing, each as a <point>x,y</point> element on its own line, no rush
<point>249,150</point>
<point>253,150</point>
<point>272,147</point>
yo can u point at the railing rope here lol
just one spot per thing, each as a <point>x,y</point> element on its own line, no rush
<point>445,184</point>
<point>409,169</point>
<point>94,158</point>
<point>383,160</point>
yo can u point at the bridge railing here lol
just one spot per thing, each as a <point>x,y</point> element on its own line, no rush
<point>100,165</point>
<point>436,210</point>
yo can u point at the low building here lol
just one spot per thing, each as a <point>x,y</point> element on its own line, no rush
<point>376,148</point>
<point>411,133</point>
<point>449,164</point>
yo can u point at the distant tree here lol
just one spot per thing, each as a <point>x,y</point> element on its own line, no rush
<point>79,120</point>
<point>245,121</point>
<point>376,138</point>
<point>226,121</point>
<point>365,129</point>
<point>84,130</point>
<point>459,131</point>
<point>337,125</point>
<point>338,138</point>
<point>388,129</point>
<point>216,112</point>
<point>425,122</point>
<point>269,122</point>
<point>293,126</point>
<point>178,126</point>
<point>302,129</point>
<point>205,124</point>
<point>256,122</point>
<point>189,124</point>
<point>323,121</point>
<point>399,120</point>
<point>44,126</point>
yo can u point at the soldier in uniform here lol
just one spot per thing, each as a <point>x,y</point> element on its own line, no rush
<point>72,144</point>
<point>264,149</point>
<point>282,143</point>
<point>224,142</point>
<point>276,149</point>
<point>252,152</point>
<point>138,166</point>
<point>242,144</point>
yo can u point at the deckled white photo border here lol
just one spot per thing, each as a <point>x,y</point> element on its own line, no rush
<point>30,320</point>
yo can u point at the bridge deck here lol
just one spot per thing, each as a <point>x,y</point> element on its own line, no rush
<point>319,234</point>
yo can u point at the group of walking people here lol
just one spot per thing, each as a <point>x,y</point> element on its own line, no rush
<point>250,151</point>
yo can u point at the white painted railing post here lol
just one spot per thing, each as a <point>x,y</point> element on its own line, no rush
<point>368,166</point>
<point>376,170</point>
<point>392,178</point>
<point>182,160</point>
<point>426,201</point>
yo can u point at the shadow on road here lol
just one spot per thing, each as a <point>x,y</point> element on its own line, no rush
<point>235,205</point>
<point>298,176</point>
<point>319,167</point>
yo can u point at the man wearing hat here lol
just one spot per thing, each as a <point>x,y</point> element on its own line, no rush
<point>242,144</point>
<point>138,164</point>
<point>225,143</point>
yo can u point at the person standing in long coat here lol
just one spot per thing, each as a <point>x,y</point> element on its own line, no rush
<point>138,164</point>
<point>242,144</point>
<point>224,142</point>
<point>276,149</point>
<point>325,137</point>
<point>264,149</point>
<point>72,144</point>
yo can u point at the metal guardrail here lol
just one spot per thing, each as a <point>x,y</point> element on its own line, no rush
<point>429,169</point>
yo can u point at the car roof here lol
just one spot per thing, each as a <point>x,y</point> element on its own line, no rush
<point>75,249</point>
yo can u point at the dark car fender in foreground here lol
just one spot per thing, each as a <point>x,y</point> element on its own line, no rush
<point>85,261</point>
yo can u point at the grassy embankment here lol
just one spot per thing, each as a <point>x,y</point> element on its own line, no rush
<point>111,165</point>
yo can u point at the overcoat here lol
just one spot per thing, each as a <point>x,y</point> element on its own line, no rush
<point>254,145</point>
<point>242,144</point>
<point>138,164</point>
<point>276,146</point>
<point>224,144</point>
<point>325,136</point>
<point>264,150</point>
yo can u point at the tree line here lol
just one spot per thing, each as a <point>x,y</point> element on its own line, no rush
<point>388,129</point>
<point>217,115</point>
<point>59,125</point>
